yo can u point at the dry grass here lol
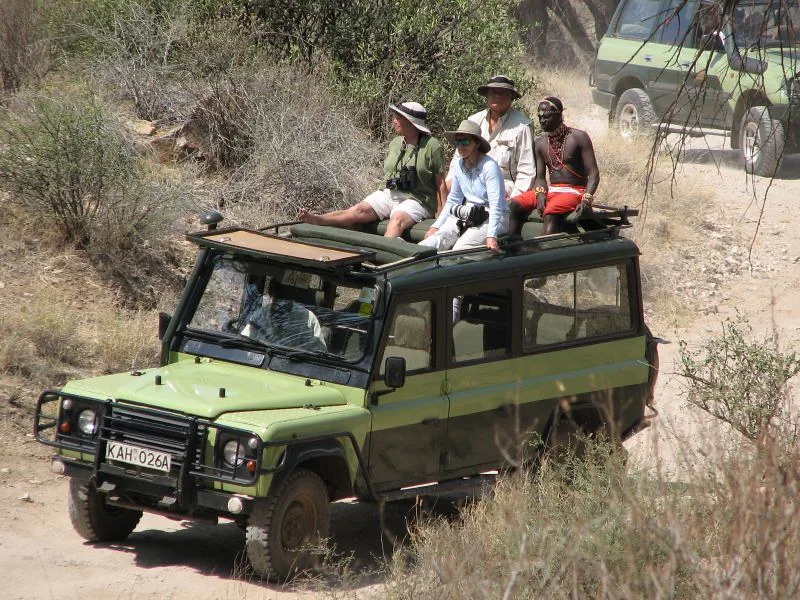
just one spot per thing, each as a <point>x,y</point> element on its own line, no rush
<point>590,530</point>
<point>125,340</point>
<point>57,320</point>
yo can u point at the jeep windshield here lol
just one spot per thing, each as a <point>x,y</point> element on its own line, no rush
<point>278,310</point>
<point>774,24</point>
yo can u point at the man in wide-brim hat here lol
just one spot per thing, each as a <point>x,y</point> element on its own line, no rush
<point>509,132</point>
<point>476,212</point>
<point>414,170</point>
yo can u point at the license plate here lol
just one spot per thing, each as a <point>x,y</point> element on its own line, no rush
<point>134,455</point>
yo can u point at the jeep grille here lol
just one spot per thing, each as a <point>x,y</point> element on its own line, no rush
<point>155,430</point>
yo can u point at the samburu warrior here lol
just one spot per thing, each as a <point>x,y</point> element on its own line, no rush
<point>569,157</point>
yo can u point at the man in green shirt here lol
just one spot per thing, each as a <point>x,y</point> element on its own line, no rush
<point>414,169</point>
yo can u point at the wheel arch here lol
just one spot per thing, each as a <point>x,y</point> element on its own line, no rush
<point>585,415</point>
<point>747,100</point>
<point>624,84</point>
<point>326,458</point>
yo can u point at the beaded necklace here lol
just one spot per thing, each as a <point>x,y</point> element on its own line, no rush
<point>555,146</point>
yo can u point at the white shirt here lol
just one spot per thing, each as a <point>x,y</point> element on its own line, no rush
<point>286,323</point>
<point>512,149</point>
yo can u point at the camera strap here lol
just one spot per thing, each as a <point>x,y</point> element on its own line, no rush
<point>401,156</point>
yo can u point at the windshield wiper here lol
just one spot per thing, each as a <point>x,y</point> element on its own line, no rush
<point>290,352</point>
<point>244,342</point>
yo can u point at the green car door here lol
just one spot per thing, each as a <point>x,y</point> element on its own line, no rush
<point>408,423</point>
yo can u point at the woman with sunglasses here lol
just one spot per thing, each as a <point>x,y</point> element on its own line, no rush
<point>476,212</point>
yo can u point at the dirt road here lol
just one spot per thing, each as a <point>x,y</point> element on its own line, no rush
<point>41,556</point>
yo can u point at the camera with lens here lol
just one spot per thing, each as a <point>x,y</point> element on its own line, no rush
<point>472,215</point>
<point>406,179</point>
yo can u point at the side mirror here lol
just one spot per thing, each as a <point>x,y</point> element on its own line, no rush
<point>395,372</point>
<point>748,64</point>
<point>163,323</point>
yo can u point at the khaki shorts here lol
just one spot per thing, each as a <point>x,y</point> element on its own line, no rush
<point>386,202</point>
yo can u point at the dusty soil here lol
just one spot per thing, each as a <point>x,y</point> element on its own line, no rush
<point>42,557</point>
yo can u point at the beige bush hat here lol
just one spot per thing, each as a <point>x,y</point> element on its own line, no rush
<point>500,82</point>
<point>467,127</point>
<point>415,113</point>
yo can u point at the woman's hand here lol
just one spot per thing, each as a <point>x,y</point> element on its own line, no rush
<point>430,232</point>
<point>492,244</point>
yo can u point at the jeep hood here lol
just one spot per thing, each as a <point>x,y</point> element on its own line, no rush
<point>194,388</point>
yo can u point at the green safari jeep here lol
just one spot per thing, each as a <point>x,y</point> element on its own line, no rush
<point>700,67</point>
<point>305,364</point>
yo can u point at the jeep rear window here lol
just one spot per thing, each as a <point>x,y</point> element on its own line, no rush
<point>580,305</point>
<point>639,19</point>
<point>773,24</point>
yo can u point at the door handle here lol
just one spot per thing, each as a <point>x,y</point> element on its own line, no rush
<point>431,421</point>
<point>686,64</point>
<point>647,58</point>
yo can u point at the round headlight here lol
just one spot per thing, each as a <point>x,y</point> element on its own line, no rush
<point>87,422</point>
<point>233,453</point>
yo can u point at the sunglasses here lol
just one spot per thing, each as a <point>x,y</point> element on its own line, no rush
<point>462,141</point>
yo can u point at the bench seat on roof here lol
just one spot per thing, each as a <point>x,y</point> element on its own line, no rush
<point>386,249</point>
<point>531,229</point>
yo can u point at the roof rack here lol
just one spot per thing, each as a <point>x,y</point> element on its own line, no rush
<point>509,245</point>
<point>340,252</point>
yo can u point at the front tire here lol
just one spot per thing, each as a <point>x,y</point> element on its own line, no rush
<point>285,526</point>
<point>93,519</point>
<point>634,116</point>
<point>761,141</point>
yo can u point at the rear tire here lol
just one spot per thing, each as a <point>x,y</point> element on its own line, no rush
<point>634,116</point>
<point>93,519</point>
<point>285,526</point>
<point>761,141</point>
<point>566,442</point>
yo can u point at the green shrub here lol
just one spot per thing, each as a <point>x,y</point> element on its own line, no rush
<point>71,163</point>
<point>435,52</point>
<point>741,380</point>
<point>431,51</point>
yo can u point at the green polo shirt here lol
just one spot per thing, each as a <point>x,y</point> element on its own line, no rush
<point>429,161</point>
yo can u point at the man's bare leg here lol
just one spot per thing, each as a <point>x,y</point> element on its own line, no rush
<point>356,214</point>
<point>517,218</point>
<point>398,223</point>
<point>551,224</point>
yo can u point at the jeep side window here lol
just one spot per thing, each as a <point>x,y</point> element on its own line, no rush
<point>676,23</point>
<point>410,336</point>
<point>639,19</point>
<point>483,330</point>
<point>573,306</point>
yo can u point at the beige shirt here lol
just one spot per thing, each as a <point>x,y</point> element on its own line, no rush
<point>512,149</point>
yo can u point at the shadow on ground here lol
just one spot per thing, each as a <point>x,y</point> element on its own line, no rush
<point>364,537</point>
